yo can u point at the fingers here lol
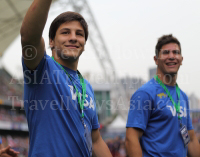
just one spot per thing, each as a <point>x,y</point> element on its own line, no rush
<point>8,152</point>
<point>4,150</point>
<point>7,148</point>
<point>12,153</point>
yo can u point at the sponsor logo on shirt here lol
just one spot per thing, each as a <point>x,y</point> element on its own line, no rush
<point>88,100</point>
<point>183,112</point>
<point>162,95</point>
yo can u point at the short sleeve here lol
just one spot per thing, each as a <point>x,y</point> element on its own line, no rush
<point>140,110</point>
<point>189,121</point>
<point>95,122</point>
<point>33,76</point>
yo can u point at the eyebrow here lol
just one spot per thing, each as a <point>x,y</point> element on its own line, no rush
<point>80,30</point>
<point>67,29</point>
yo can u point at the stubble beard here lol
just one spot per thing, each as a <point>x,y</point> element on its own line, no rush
<point>69,58</point>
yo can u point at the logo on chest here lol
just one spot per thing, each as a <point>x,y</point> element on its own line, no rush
<point>162,95</point>
<point>88,100</point>
<point>183,112</point>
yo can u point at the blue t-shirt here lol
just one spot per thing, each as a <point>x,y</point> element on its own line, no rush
<point>152,111</point>
<point>52,111</point>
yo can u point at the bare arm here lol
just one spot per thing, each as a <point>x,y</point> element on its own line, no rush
<point>31,32</point>
<point>100,149</point>
<point>133,147</point>
<point>193,146</point>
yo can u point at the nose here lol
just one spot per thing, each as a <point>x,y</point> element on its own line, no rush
<point>171,55</point>
<point>73,38</point>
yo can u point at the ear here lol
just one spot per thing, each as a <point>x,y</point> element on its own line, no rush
<point>182,61</point>
<point>156,60</point>
<point>51,43</point>
<point>84,46</point>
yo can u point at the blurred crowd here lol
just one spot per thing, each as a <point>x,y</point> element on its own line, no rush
<point>9,86</point>
<point>17,143</point>
<point>117,146</point>
<point>11,116</point>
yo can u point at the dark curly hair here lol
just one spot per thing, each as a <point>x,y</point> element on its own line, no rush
<point>166,39</point>
<point>67,17</point>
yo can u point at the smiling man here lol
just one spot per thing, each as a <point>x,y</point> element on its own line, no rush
<point>59,103</point>
<point>159,121</point>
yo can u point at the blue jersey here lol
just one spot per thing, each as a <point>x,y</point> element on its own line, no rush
<point>52,111</point>
<point>152,111</point>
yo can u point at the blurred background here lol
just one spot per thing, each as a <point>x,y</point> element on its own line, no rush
<point>117,60</point>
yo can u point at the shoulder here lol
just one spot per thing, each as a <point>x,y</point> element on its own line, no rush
<point>184,97</point>
<point>87,82</point>
<point>46,59</point>
<point>150,88</point>
<point>184,94</point>
<point>89,89</point>
<point>88,85</point>
<point>49,60</point>
<point>43,68</point>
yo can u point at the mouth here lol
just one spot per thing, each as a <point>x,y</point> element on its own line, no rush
<point>72,46</point>
<point>171,64</point>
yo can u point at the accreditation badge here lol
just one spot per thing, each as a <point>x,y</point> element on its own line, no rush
<point>88,138</point>
<point>185,135</point>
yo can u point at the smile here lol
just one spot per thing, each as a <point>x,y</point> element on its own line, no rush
<point>72,46</point>
<point>171,64</point>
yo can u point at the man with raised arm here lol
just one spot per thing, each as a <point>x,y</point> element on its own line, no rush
<point>59,103</point>
<point>159,121</point>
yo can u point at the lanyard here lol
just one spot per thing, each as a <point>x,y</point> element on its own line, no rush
<point>83,85</point>
<point>177,106</point>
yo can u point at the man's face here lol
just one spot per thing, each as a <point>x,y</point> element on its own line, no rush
<point>169,59</point>
<point>69,41</point>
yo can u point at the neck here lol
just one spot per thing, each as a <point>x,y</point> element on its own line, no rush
<point>167,79</point>
<point>71,64</point>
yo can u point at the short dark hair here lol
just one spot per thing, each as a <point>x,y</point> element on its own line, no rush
<point>166,39</point>
<point>67,17</point>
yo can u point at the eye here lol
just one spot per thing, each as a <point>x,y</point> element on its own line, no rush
<point>176,52</point>
<point>65,32</point>
<point>81,34</point>
<point>165,52</point>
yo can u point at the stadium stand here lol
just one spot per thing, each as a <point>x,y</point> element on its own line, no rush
<point>13,124</point>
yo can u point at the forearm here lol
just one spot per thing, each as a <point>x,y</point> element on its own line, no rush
<point>100,149</point>
<point>34,21</point>
<point>133,148</point>
<point>194,148</point>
